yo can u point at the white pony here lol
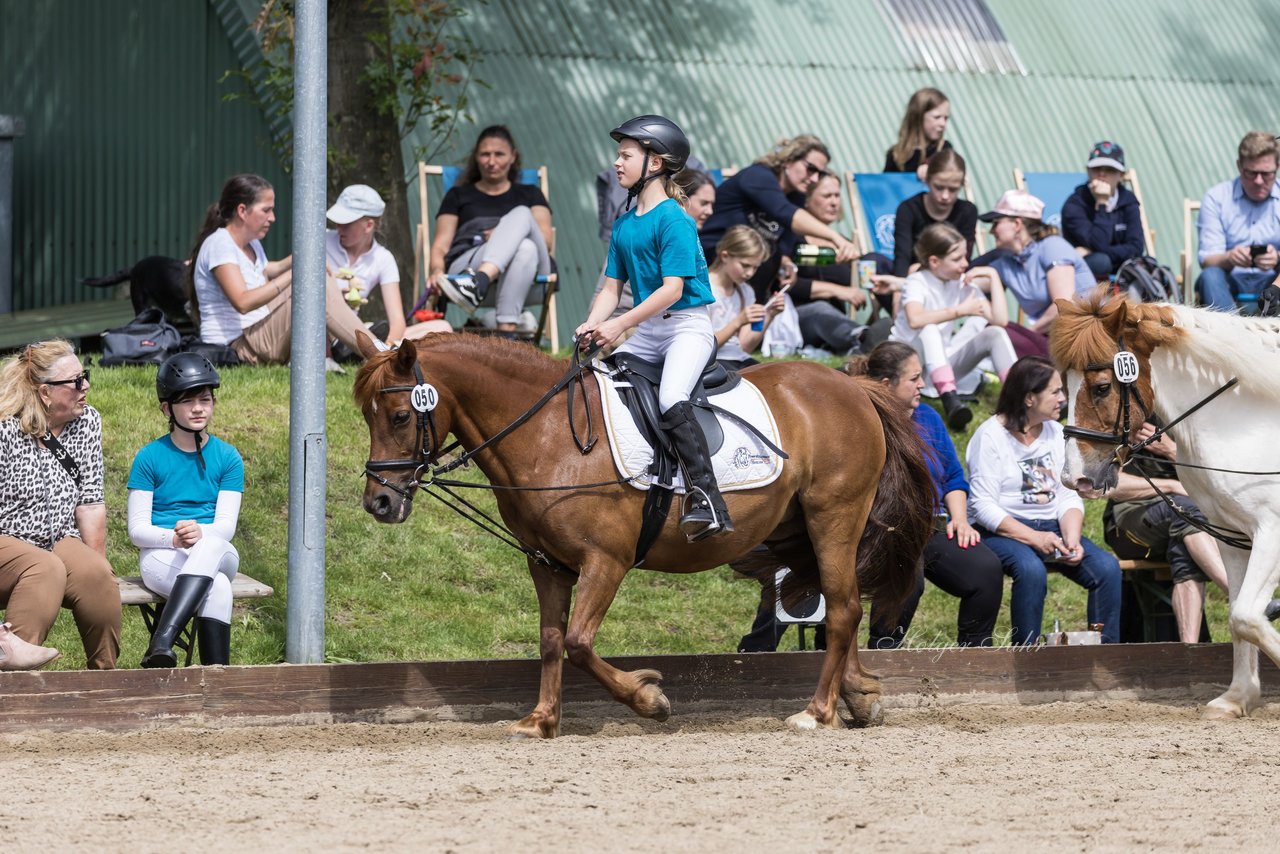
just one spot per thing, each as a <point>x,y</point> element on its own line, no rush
<point>1183,356</point>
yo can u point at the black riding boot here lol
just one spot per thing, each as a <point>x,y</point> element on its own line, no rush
<point>707,516</point>
<point>214,639</point>
<point>958,415</point>
<point>183,602</point>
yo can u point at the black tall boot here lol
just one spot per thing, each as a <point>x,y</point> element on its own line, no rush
<point>183,602</point>
<point>958,415</point>
<point>706,514</point>
<point>214,639</point>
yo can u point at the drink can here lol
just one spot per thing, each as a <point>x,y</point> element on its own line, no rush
<point>866,269</point>
<point>757,325</point>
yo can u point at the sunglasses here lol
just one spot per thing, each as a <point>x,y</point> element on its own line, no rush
<point>810,169</point>
<point>79,381</point>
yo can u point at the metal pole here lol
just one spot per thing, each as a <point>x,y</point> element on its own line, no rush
<point>308,447</point>
<point>11,127</point>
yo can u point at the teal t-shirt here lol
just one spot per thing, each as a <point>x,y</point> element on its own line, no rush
<point>181,490</point>
<point>663,242</point>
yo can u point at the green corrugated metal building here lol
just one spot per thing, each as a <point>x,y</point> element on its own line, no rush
<point>128,136</point>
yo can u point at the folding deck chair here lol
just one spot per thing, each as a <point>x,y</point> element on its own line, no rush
<point>547,322</point>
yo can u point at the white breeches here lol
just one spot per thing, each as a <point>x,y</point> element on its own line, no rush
<point>966,349</point>
<point>211,556</point>
<point>682,342</point>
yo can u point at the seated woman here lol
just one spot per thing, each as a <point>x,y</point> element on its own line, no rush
<point>921,134</point>
<point>1024,513</point>
<point>53,522</point>
<point>184,501</point>
<point>938,295</point>
<point>941,202</point>
<point>359,263</point>
<point>955,558</point>
<point>1102,218</point>
<point>1040,267</point>
<point>736,318</point>
<point>491,230</point>
<point>769,196</point>
<point>239,298</point>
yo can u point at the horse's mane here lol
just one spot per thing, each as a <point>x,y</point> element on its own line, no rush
<point>1086,333</point>
<point>517,361</point>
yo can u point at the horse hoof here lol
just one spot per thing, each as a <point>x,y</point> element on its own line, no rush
<point>527,728</point>
<point>802,722</point>
<point>1219,710</point>
<point>652,703</point>
<point>866,711</point>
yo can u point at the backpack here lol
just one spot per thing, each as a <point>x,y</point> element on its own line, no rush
<point>1144,279</point>
<point>148,339</point>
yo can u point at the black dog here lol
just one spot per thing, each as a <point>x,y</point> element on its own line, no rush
<point>156,280</point>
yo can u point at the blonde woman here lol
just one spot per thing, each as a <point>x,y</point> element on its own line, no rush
<point>53,522</point>
<point>769,196</point>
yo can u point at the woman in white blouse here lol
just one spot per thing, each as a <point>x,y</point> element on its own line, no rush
<point>1024,513</point>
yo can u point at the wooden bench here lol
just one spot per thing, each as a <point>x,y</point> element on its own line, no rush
<point>73,322</point>
<point>134,592</point>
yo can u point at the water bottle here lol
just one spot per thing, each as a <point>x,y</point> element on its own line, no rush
<point>808,255</point>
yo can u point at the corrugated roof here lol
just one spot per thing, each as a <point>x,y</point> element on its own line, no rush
<point>1177,84</point>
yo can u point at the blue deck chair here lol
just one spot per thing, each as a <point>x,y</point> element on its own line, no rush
<point>874,197</point>
<point>545,294</point>
<point>718,176</point>
<point>1053,188</point>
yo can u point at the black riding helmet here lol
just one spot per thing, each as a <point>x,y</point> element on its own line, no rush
<point>180,373</point>
<point>659,135</point>
<point>183,372</point>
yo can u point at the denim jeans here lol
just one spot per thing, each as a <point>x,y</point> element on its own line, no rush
<point>1099,573</point>
<point>1217,288</point>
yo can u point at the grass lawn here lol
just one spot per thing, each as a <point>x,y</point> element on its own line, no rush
<point>434,587</point>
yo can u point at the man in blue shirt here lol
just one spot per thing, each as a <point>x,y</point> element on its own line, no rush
<point>1240,227</point>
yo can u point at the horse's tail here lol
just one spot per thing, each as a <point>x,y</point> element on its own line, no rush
<point>901,520</point>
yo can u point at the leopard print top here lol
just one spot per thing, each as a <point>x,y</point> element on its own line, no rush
<point>38,497</point>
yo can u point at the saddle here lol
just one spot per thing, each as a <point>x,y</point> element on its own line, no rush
<point>636,382</point>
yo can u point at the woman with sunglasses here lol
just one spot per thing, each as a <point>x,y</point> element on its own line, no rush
<point>53,522</point>
<point>769,196</point>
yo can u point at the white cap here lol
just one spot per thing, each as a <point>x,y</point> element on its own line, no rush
<point>356,201</point>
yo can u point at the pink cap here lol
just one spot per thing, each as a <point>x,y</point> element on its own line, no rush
<point>1017,203</point>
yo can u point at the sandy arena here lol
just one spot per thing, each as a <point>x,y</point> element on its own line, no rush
<point>1109,775</point>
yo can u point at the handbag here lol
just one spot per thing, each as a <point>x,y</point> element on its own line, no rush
<point>148,339</point>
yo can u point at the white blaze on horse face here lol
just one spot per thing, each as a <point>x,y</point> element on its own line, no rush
<point>1073,470</point>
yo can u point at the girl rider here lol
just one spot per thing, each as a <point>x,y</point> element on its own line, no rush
<point>655,247</point>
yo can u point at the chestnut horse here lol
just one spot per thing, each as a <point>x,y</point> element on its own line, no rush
<point>850,454</point>
<point>1183,357</point>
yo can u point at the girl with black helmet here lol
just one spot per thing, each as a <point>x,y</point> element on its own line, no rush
<point>655,247</point>
<point>184,501</point>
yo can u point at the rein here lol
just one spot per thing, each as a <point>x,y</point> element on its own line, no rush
<point>424,398</point>
<point>1125,370</point>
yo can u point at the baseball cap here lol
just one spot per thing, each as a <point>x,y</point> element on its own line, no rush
<point>356,201</point>
<point>1107,153</point>
<point>1017,203</point>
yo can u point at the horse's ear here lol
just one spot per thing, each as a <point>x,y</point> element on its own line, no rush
<point>365,344</point>
<point>406,355</point>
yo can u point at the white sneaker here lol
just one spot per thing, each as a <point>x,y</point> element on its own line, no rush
<point>527,323</point>
<point>333,367</point>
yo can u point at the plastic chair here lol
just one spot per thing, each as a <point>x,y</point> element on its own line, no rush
<point>547,322</point>
<point>1054,188</point>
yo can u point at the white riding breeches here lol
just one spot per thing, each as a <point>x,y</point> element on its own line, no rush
<point>212,556</point>
<point>682,341</point>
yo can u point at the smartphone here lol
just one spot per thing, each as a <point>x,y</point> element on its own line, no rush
<point>1258,249</point>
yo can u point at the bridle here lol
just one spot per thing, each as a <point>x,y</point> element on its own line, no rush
<point>1125,370</point>
<point>423,399</point>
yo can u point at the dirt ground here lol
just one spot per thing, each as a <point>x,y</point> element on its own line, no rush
<point>1108,775</point>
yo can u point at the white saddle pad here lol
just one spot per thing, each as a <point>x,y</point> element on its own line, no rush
<point>743,461</point>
